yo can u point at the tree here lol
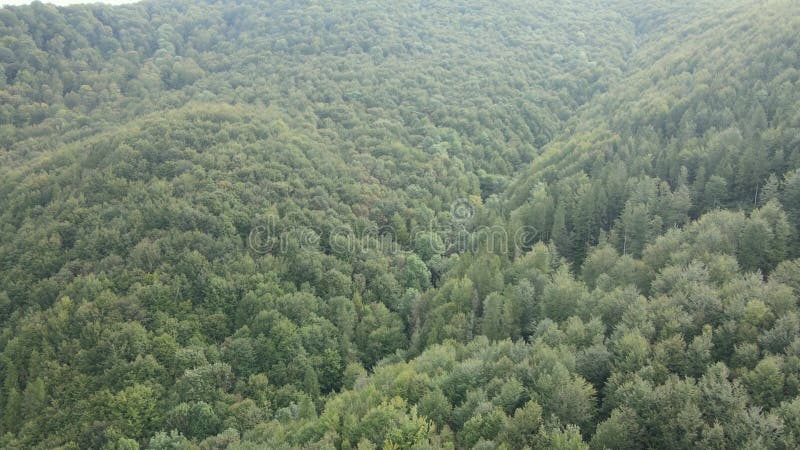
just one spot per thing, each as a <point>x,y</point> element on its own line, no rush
<point>620,431</point>
<point>427,245</point>
<point>522,428</point>
<point>588,217</point>
<point>562,297</point>
<point>721,398</point>
<point>173,440</point>
<point>634,229</point>
<point>134,410</point>
<point>781,232</point>
<point>33,398</point>
<point>790,198</point>
<point>788,272</point>
<point>631,352</point>
<point>770,191</point>
<point>567,397</point>
<point>765,382</point>
<point>594,364</point>
<point>559,234</point>
<point>485,273</point>
<point>417,274</point>
<point>379,333</point>
<point>600,261</point>
<point>567,439</point>
<point>494,322</point>
<point>196,420</point>
<point>536,215</point>
<point>753,252</point>
<point>716,192</point>
<point>484,424</point>
<point>13,406</point>
<point>435,406</point>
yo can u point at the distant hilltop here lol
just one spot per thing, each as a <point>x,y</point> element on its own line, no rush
<point>65,2</point>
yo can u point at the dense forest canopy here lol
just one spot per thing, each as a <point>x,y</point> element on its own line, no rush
<point>400,225</point>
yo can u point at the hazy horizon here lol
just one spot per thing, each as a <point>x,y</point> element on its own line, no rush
<point>65,2</point>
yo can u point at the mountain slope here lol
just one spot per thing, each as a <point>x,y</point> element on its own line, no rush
<point>711,117</point>
<point>400,225</point>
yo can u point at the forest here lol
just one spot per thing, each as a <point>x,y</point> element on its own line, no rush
<point>416,224</point>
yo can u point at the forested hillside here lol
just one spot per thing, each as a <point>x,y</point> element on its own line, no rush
<point>400,225</point>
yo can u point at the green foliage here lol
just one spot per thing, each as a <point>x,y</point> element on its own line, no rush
<point>400,225</point>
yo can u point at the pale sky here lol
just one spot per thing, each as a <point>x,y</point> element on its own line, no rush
<point>66,2</point>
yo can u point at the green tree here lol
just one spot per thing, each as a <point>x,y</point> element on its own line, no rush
<point>620,431</point>
<point>765,382</point>
<point>379,333</point>
<point>567,439</point>
<point>523,427</point>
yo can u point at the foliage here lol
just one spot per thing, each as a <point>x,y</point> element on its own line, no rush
<point>400,225</point>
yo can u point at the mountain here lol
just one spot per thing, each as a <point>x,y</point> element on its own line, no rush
<point>410,224</point>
